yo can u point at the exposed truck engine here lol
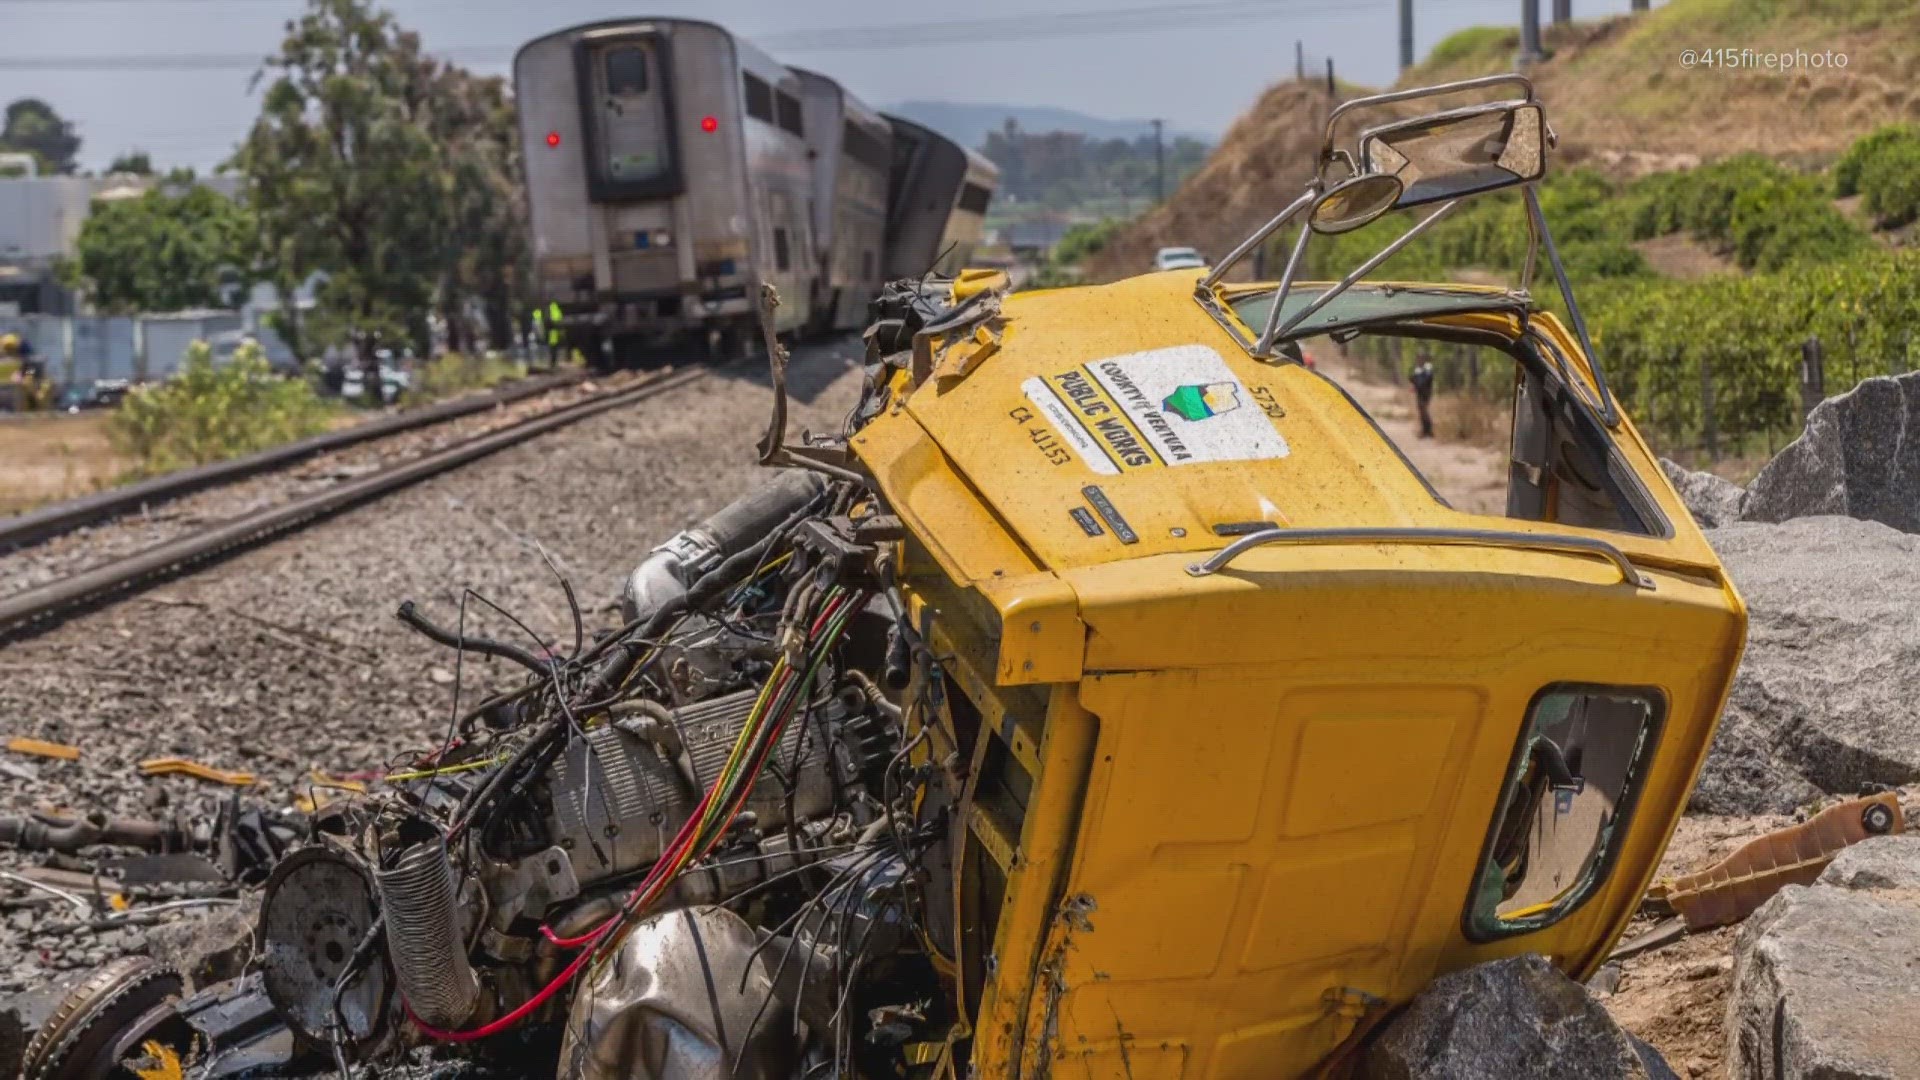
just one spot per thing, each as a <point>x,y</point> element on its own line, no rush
<point>734,752</point>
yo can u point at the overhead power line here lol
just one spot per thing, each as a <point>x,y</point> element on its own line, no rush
<point>946,33</point>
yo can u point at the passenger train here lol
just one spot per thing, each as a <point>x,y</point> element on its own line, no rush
<point>672,167</point>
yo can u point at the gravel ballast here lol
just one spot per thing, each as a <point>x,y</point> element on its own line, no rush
<point>68,553</point>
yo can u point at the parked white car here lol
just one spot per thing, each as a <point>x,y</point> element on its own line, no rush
<point>1177,258</point>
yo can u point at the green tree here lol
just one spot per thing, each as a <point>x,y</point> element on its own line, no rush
<point>1853,164</point>
<point>483,230</point>
<point>180,245</point>
<point>1066,170</point>
<point>344,179</point>
<point>390,175</point>
<point>136,163</point>
<point>33,127</point>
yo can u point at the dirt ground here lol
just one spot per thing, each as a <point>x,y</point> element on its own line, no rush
<point>1467,473</point>
<point>46,458</point>
<point>1676,997</point>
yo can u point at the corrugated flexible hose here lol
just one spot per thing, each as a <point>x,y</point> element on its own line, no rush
<point>419,896</point>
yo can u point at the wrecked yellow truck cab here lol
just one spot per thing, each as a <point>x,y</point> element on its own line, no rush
<point>1259,733</point>
<point>1128,689</point>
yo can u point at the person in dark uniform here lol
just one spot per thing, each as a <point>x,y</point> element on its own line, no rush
<point>1422,380</point>
<point>31,369</point>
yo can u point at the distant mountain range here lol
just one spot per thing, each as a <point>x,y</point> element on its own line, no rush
<point>969,123</point>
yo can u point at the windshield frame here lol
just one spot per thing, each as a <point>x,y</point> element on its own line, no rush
<point>1220,300</point>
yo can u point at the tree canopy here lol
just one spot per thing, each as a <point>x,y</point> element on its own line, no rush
<point>178,246</point>
<point>31,126</point>
<point>389,173</point>
<point>137,162</point>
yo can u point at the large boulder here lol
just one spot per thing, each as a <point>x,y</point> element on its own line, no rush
<point>1828,695</point>
<point>1859,457</point>
<point>1824,976</point>
<point>1877,863</point>
<point>1712,500</point>
<point>1506,1018</point>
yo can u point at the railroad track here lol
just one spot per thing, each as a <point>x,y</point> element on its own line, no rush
<point>50,521</point>
<point>26,613</point>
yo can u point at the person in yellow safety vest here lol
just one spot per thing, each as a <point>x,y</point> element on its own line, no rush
<point>547,323</point>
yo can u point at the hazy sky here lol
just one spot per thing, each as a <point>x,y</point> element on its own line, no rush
<point>1198,73</point>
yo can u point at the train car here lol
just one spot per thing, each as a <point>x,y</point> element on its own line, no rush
<point>667,176</point>
<point>852,151</point>
<point>938,193</point>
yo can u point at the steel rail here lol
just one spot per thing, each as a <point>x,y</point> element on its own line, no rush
<point>28,612</point>
<point>49,521</point>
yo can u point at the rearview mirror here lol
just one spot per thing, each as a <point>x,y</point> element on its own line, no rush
<point>1464,152</point>
<point>1353,202</point>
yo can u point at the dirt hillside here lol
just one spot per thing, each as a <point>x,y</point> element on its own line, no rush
<point>1267,152</point>
<point>1617,93</point>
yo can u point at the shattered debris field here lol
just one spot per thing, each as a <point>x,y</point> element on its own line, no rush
<point>285,663</point>
<point>203,713</point>
<point>584,642</point>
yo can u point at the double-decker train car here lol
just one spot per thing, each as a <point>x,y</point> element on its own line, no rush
<point>667,175</point>
<point>852,152</point>
<point>672,168</point>
<point>937,201</point>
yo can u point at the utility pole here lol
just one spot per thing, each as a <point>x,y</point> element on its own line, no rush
<point>1562,12</point>
<point>1406,34</point>
<point>1159,165</point>
<point>1529,32</point>
<point>1300,60</point>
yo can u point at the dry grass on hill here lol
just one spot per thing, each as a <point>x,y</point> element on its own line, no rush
<point>1616,93</point>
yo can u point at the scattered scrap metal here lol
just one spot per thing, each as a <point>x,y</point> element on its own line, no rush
<point>722,783</point>
<point>1736,886</point>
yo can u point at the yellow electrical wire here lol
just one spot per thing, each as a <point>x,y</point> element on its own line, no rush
<point>422,774</point>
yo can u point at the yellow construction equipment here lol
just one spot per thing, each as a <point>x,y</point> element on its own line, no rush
<point>24,386</point>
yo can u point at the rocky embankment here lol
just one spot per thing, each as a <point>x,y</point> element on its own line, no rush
<point>1825,547</point>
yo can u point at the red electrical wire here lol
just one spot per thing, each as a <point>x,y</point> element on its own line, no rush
<point>495,1027</point>
<point>673,848</point>
<point>566,975</point>
<point>680,840</point>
